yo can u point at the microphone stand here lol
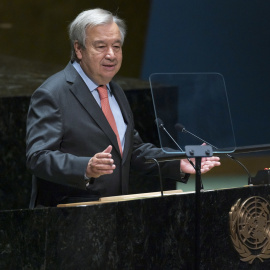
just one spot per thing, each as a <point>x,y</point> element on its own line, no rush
<point>197,152</point>
<point>160,176</point>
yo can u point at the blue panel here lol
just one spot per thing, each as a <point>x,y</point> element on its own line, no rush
<point>229,37</point>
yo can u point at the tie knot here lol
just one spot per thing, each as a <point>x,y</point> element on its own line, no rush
<point>102,91</point>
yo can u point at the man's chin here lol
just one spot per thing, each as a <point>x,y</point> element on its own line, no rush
<point>108,76</point>
<point>105,80</point>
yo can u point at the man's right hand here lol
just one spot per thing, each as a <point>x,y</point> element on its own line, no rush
<point>100,164</point>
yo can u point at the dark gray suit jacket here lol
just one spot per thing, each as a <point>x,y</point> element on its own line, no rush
<point>65,128</point>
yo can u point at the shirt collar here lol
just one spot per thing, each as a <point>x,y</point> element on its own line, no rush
<point>90,84</point>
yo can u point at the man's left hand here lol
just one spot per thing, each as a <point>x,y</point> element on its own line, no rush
<point>206,165</point>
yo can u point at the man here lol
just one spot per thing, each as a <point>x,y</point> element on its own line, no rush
<point>73,152</point>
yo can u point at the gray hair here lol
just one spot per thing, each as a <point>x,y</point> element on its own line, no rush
<point>92,18</point>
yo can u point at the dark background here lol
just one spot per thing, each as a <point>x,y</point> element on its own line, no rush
<point>38,30</point>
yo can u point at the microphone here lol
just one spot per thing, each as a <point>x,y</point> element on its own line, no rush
<point>179,127</point>
<point>160,125</point>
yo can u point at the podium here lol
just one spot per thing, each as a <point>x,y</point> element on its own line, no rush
<point>142,233</point>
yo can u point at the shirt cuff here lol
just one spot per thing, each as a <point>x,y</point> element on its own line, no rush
<point>89,181</point>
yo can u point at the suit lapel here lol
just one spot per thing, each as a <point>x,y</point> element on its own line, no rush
<point>86,99</point>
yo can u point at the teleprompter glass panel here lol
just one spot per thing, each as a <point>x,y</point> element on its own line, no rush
<point>193,108</point>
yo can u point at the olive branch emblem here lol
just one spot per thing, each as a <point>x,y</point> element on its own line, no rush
<point>249,228</point>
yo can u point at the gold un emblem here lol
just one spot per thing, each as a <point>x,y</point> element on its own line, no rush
<point>250,229</point>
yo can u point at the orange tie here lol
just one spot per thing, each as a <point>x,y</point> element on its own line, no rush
<point>105,106</point>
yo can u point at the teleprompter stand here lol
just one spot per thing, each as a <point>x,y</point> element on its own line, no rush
<point>198,152</point>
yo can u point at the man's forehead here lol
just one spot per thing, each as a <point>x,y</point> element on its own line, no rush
<point>101,41</point>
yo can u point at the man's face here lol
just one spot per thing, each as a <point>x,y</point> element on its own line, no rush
<point>102,57</point>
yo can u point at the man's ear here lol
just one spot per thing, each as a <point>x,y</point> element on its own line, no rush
<point>78,49</point>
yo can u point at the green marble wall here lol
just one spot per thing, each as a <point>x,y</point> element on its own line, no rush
<point>154,233</point>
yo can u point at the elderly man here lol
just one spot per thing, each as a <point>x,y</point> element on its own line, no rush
<point>81,139</point>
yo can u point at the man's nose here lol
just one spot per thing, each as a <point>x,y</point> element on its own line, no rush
<point>110,53</point>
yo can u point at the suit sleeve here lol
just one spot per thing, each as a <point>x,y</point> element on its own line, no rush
<point>43,144</point>
<point>169,169</point>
